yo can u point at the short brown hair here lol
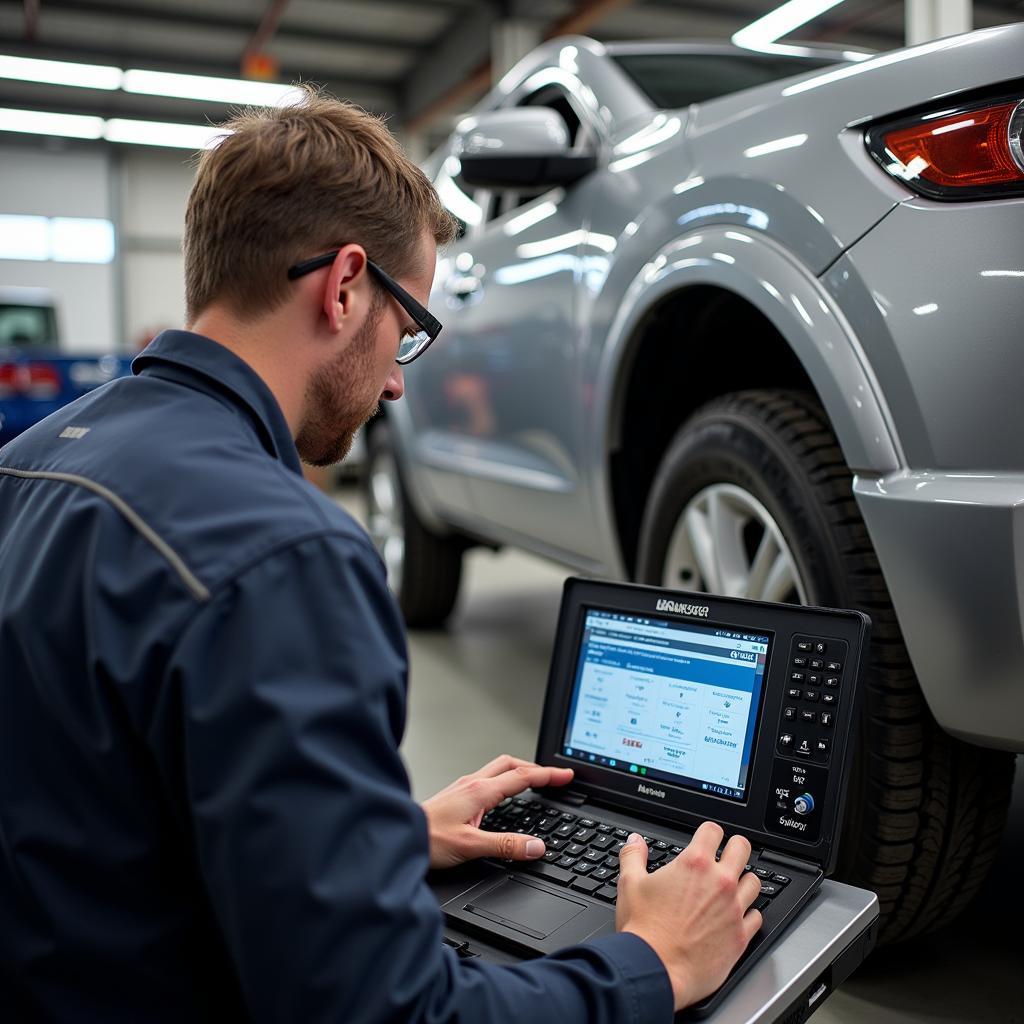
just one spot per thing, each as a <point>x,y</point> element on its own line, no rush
<point>292,182</point>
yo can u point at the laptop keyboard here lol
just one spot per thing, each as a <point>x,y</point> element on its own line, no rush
<point>583,853</point>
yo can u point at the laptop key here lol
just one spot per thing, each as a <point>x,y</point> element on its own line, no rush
<point>606,829</point>
<point>612,861</point>
<point>565,862</point>
<point>574,849</point>
<point>565,830</point>
<point>585,885</point>
<point>780,879</point>
<point>595,856</point>
<point>767,889</point>
<point>555,842</point>
<point>602,874</point>
<point>601,842</point>
<point>607,892</point>
<point>552,872</point>
<point>583,867</point>
<point>566,816</point>
<point>621,833</point>
<point>551,856</point>
<point>760,903</point>
<point>583,835</point>
<point>547,824</point>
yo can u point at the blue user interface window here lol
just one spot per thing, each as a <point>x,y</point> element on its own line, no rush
<point>676,702</point>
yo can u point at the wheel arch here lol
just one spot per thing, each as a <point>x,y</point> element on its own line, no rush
<point>753,317</point>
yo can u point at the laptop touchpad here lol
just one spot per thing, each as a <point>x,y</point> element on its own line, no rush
<point>518,905</point>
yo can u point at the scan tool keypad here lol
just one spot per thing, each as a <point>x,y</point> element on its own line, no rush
<point>811,701</point>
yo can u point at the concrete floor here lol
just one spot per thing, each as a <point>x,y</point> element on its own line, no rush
<point>476,690</point>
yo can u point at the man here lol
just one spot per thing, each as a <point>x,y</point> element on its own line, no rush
<point>203,814</point>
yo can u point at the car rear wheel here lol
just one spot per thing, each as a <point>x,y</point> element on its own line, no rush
<point>424,569</point>
<point>753,499</point>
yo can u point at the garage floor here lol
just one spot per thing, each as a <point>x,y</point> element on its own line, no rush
<point>476,690</point>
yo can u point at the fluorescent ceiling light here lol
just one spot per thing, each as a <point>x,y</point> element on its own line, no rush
<point>34,122</point>
<point>149,83</point>
<point>81,240</point>
<point>23,238</point>
<point>60,72</point>
<point>205,87</point>
<point>117,129</point>
<point>162,133</point>
<point>763,33</point>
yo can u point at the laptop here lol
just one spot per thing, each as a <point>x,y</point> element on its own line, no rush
<point>675,708</point>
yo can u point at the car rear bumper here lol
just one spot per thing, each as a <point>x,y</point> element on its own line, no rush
<point>952,548</point>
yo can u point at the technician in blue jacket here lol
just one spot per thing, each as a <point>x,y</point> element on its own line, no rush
<point>203,814</point>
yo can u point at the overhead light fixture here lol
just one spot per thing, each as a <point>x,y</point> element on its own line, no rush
<point>162,133</point>
<point>116,129</point>
<point>34,122</point>
<point>149,83</point>
<point>762,34</point>
<point>60,72</point>
<point>206,87</point>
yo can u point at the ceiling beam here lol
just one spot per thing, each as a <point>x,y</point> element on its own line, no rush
<point>201,19</point>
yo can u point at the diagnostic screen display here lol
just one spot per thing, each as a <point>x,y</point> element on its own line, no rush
<point>672,701</point>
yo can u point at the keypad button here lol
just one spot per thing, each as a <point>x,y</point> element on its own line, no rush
<point>817,664</point>
<point>826,718</point>
<point>820,647</point>
<point>785,741</point>
<point>796,677</point>
<point>602,842</point>
<point>575,849</point>
<point>605,829</point>
<point>814,680</point>
<point>804,645</point>
<point>770,889</point>
<point>595,856</point>
<point>834,666</point>
<point>794,692</point>
<point>830,698</point>
<point>565,830</point>
<point>821,747</point>
<point>621,833</point>
<point>780,880</point>
<point>832,681</point>
<point>789,714</point>
<point>799,663</point>
<point>811,695</point>
<point>583,835</point>
<point>607,892</point>
<point>803,748</point>
<point>583,867</point>
<point>565,862</point>
<point>602,874</point>
<point>807,716</point>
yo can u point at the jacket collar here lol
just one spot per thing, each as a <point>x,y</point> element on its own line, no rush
<point>201,362</point>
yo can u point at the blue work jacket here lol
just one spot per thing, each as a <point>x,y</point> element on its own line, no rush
<point>203,813</point>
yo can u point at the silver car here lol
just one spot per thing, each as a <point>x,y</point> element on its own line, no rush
<point>724,330</point>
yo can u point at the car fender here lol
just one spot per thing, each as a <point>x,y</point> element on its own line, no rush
<point>759,270</point>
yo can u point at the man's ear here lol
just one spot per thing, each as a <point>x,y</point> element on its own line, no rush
<point>348,268</point>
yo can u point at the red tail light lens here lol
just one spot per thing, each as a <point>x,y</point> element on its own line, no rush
<point>29,380</point>
<point>970,153</point>
<point>8,379</point>
<point>43,381</point>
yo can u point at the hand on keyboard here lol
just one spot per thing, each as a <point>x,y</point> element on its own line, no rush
<point>694,911</point>
<point>454,814</point>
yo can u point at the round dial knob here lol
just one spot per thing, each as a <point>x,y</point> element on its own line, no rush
<point>803,804</point>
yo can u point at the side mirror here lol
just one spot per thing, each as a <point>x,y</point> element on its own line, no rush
<point>525,148</point>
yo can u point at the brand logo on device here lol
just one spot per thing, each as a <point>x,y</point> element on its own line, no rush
<point>648,791</point>
<point>701,611</point>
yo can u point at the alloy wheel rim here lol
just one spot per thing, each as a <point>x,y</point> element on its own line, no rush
<point>726,542</point>
<point>384,516</point>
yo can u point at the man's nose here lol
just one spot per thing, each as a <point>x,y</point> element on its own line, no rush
<point>394,386</point>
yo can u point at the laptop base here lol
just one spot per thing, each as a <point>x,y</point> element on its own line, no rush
<point>820,949</point>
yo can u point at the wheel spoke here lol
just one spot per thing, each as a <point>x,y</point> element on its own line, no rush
<point>761,566</point>
<point>780,580</point>
<point>702,543</point>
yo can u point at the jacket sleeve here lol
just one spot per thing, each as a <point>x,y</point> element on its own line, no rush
<point>288,691</point>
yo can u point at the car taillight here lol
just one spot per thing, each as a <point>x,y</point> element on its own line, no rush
<point>29,380</point>
<point>43,381</point>
<point>8,379</point>
<point>968,153</point>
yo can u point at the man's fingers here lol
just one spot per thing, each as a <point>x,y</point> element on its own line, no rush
<point>509,846</point>
<point>527,776</point>
<point>751,925</point>
<point>736,855</point>
<point>633,857</point>
<point>707,839</point>
<point>749,889</point>
<point>502,763</point>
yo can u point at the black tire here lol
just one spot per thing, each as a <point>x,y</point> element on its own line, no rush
<point>429,568</point>
<point>925,811</point>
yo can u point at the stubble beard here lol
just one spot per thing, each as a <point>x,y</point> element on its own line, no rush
<point>336,403</point>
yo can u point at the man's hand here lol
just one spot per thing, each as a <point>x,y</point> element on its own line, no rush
<point>453,816</point>
<point>693,912</point>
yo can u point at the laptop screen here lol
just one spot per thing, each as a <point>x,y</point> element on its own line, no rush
<point>676,702</point>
